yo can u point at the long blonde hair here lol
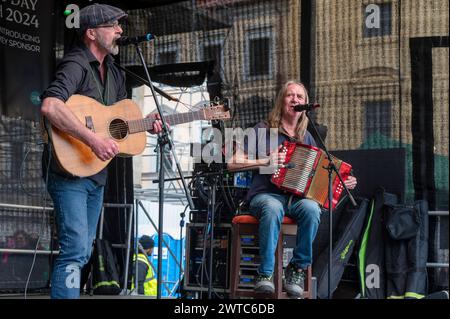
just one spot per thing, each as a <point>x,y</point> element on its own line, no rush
<point>274,118</point>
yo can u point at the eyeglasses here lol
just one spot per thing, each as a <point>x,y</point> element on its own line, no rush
<point>114,25</point>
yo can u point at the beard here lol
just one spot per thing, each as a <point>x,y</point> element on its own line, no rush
<point>111,48</point>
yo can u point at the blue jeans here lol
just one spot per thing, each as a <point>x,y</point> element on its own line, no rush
<point>77,205</point>
<point>270,208</point>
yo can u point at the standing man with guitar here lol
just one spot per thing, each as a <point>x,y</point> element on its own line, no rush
<point>86,70</point>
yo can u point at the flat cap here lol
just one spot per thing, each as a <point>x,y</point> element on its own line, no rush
<point>97,14</point>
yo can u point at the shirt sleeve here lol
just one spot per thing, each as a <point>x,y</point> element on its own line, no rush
<point>309,139</point>
<point>68,79</point>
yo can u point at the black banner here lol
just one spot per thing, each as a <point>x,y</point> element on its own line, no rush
<point>26,55</point>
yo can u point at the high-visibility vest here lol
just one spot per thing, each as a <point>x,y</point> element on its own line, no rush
<point>150,283</point>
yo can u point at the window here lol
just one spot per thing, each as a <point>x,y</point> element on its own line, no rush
<point>167,54</point>
<point>378,116</point>
<point>258,54</point>
<point>167,57</point>
<point>377,20</point>
<point>211,49</point>
<point>213,52</point>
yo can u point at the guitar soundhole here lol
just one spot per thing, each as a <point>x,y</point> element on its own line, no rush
<point>118,129</point>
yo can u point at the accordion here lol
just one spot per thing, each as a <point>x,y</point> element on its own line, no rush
<point>308,175</point>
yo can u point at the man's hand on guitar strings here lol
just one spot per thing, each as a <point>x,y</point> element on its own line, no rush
<point>157,124</point>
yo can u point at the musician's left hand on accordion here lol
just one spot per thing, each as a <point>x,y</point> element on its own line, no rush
<point>277,157</point>
<point>350,182</point>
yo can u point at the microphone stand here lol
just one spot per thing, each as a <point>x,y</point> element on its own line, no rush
<point>164,141</point>
<point>210,226</point>
<point>330,168</point>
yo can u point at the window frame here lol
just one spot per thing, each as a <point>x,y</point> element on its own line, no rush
<point>212,41</point>
<point>259,33</point>
<point>386,129</point>
<point>166,48</point>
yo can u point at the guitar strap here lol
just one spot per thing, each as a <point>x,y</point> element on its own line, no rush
<point>105,89</point>
<point>45,132</point>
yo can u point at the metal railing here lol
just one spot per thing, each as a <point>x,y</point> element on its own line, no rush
<point>439,213</point>
<point>126,245</point>
<point>132,215</point>
<point>27,251</point>
<point>177,261</point>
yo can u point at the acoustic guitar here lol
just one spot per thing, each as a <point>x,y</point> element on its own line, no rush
<point>122,122</point>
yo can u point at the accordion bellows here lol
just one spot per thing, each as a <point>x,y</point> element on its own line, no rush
<point>308,175</point>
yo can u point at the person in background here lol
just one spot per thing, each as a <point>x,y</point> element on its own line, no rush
<point>146,280</point>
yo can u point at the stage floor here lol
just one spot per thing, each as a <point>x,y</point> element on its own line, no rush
<point>47,296</point>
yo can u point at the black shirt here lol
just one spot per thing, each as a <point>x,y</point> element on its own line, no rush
<point>142,274</point>
<point>261,182</point>
<point>78,73</point>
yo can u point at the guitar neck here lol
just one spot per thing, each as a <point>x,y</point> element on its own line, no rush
<point>145,124</point>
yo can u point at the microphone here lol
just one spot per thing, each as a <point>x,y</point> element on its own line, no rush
<point>135,40</point>
<point>305,107</point>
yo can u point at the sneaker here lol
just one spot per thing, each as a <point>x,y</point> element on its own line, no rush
<point>294,282</point>
<point>264,284</point>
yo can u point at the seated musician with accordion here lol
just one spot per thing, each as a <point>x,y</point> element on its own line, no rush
<point>269,203</point>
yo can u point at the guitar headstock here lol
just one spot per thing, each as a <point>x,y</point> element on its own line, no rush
<point>217,111</point>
